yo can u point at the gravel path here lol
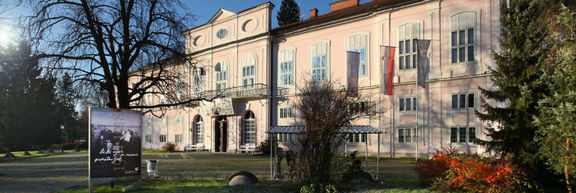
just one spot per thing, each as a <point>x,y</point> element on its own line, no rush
<point>45,174</point>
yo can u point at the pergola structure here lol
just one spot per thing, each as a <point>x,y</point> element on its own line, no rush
<point>349,129</point>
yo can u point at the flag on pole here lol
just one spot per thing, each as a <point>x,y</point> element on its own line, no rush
<point>353,65</point>
<point>422,61</point>
<point>387,70</point>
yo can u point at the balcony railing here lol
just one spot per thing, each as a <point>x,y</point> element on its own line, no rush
<point>251,91</point>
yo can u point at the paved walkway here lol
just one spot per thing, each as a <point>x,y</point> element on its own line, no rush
<point>45,174</point>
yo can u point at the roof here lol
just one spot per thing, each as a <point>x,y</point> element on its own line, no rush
<point>343,129</point>
<point>342,13</point>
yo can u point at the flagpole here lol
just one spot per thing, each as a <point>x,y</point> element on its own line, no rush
<point>416,103</point>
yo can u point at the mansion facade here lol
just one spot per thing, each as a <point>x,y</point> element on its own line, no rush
<point>258,70</point>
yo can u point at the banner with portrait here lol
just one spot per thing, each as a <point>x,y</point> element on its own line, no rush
<point>115,143</point>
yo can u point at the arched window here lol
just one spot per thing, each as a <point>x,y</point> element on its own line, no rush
<point>221,70</point>
<point>320,61</point>
<point>249,128</point>
<point>198,134</point>
<point>286,59</point>
<point>359,43</point>
<point>248,70</point>
<point>462,37</point>
<point>407,36</point>
<point>199,74</point>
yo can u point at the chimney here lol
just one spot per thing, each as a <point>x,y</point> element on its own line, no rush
<point>343,4</point>
<point>313,12</point>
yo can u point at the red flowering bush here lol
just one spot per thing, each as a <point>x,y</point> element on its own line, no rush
<point>471,173</point>
<point>430,169</point>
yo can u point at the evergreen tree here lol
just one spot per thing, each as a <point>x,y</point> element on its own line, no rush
<point>557,129</point>
<point>289,12</point>
<point>28,114</point>
<point>519,65</point>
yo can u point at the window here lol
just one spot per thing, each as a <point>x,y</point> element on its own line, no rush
<point>462,27</point>
<point>162,138</point>
<point>178,138</point>
<point>199,75</point>
<point>459,135</point>
<point>285,138</point>
<point>359,43</point>
<point>286,60</point>
<point>407,34</point>
<point>249,128</point>
<point>221,70</point>
<point>198,128</point>
<point>357,137</point>
<point>319,59</point>
<point>359,108</point>
<point>148,123</point>
<point>286,112</point>
<point>462,101</point>
<point>149,99</point>
<point>409,135</point>
<point>178,120</point>
<point>408,104</point>
<point>222,33</point>
<point>248,70</point>
<point>148,139</point>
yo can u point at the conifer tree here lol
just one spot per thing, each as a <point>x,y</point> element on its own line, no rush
<point>557,129</point>
<point>519,64</point>
<point>289,12</point>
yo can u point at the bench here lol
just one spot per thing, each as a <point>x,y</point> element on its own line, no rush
<point>194,147</point>
<point>248,148</point>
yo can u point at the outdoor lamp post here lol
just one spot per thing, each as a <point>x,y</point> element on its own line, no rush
<point>61,138</point>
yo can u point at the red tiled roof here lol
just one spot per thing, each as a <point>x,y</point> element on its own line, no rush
<point>370,6</point>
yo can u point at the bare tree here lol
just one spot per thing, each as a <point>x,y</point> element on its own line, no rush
<point>125,48</point>
<point>324,108</point>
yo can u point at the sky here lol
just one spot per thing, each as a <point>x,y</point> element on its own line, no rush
<point>202,9</point>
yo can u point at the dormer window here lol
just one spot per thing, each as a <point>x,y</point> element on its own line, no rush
<point>222,33</point>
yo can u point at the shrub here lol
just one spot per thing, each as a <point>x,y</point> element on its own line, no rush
<point>70,145</point>
<point>264,147</point>
<point>169,147</point>
<point>430,169</point>
<point>4,149</point>
<point>452,172</point>
<point>318,188</point>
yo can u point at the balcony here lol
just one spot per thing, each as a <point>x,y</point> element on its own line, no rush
<point>252,91</point>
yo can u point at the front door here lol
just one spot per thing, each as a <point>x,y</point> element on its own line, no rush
<point>221,134</point>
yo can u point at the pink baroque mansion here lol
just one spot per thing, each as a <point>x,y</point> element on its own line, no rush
<point>259,70</point>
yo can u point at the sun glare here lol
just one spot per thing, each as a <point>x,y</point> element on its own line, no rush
<point>6,35</point>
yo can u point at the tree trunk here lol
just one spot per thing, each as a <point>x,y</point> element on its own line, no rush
<point>566,171</point>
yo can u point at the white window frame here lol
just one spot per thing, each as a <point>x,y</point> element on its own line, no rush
<point>286,65</point>
<point>356,138</point>
<point>360,107</point>
<point>404,101</point>
<point>463,101</point>
<point>285,138</point>
<point>198,78</point>
<point>221,75</point>
<point>148,138</point>
<point>249,70</point>
<point>463,23</point>
<point>408,139</point>
<point>162,138</point>
<point>249,128</point>
<point>178,138</point>
<point>320,61</point>
<point>406,51</point>
<point>360,43</point>
<point>286,112</point>
<point>468,138</point>
<point>198,129</point>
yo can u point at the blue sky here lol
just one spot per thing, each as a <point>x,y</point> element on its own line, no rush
<point>204,10</point>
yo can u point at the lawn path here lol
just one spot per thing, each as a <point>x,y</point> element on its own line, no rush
<point>44,174</point>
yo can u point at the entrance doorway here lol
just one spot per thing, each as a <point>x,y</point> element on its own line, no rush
<point>221,134</point>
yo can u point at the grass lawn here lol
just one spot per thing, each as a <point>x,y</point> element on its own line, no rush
<point>20,154</point>
<point>208,172</point>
